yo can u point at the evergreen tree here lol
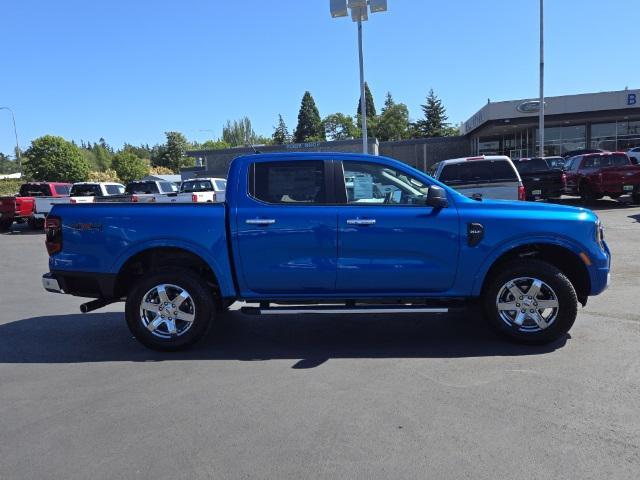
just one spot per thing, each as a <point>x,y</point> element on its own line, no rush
<point>371,107</point>
<point>393,123</point>
<point>128,167</point>
<point>239,132</point>
<point>434,123</point>
<point>281,133</point>
<point>174,152</point>
<point>309,127</point>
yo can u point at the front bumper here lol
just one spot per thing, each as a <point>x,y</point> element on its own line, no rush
<point>50,283</point>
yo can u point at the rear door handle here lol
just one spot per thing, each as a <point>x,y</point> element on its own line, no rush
<point>361,221</point>
<point>260,221</point>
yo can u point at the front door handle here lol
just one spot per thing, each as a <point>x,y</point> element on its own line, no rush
<point>260,221</point>
<point>361,221</point>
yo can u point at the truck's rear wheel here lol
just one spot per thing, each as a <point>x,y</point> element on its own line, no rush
<point>530,301</point>
<point>169,309</point>
<point>5,225</point>
<point>636,198</point>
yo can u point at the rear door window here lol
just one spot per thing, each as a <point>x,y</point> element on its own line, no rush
<point>168,187</point>
<point>62,190</point>
<point>114,189</point>
<point>221,185</point>
<point>297,182</point>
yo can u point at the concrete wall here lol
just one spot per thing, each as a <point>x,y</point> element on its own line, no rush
<point>420,153</point>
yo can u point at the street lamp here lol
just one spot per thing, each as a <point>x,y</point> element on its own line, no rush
<point>15,132</point>
<point>541,112</point>
<point>340,8</point>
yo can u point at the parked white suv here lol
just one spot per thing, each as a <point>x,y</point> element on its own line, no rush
<point>485,176</point>
<point>81,192</point>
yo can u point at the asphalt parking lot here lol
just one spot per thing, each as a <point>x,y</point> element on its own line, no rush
<point>318,397</point>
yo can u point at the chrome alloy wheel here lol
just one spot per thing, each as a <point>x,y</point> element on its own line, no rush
<point>167,311</point>
<point>528,304</point>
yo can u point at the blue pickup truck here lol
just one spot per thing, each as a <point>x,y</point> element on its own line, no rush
<point>328,233</point>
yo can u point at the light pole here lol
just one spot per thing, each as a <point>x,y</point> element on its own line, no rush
<point>340,8</point>
<point>15,132</point>
<point>541,110</point>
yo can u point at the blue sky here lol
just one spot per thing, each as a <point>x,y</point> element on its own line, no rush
<point>131,70</point>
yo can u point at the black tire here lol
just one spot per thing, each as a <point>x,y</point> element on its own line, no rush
<point>587,195</point>
<point>201,298</point>
<point>5,225</point>
<point>635,198</point>
<point>556,283</point>
<point>35,224</point>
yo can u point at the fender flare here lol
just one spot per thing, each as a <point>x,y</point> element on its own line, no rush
<point>225,282</point>
<point>511,244</point>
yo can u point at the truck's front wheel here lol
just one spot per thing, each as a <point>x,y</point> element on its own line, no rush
<point>530,301</point>
<point>169,309</point>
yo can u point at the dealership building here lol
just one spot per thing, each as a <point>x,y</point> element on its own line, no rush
<point>605,120</point>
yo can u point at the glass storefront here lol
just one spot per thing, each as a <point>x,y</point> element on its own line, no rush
<point>615,136</point>
<point>558,140</point>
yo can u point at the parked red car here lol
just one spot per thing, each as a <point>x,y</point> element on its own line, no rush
<point>19,208</point>
<point>595,175</point>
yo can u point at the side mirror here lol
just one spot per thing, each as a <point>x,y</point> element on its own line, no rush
<point>436,197</point>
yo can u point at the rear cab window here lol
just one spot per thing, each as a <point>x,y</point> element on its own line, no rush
<point>191,186</point>
<point>35,190</point>
<point>87,190</point>
<point>533,165</point>
<point>288,182</point>
<point>221,185</point>
<point>478,171</point>
<point>167,187</point>
<point>141,188</point>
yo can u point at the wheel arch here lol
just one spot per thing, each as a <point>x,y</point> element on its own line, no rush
<point>563,257</point>
<point>154,257</point>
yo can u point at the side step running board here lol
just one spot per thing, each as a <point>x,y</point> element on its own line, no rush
<point>337,309</point>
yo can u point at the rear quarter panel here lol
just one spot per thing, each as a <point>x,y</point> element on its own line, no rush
<point>101,237</point>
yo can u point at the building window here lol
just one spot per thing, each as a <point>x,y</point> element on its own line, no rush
<point>615,135</point>
<point>558,140</point>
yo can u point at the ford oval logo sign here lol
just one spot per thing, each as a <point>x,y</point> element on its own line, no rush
<point>529,106</point>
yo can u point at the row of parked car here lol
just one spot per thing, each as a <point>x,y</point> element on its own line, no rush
<point>590,175</point>
<point>34,200</point>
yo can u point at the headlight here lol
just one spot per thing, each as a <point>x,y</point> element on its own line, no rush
<point>600,234</point>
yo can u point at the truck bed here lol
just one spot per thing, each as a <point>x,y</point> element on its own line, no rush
<point>100,237</point>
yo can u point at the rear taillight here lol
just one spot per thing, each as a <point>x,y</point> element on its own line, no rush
<point>72,200</point>
<point>564,179</point>
<point>134,198</point>
<point>53,234</point>
<point>521,193</point>
<point>194,198</point>
<point>215,197</point>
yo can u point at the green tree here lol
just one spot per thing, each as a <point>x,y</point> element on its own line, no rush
<point>339,126</point>
<point>393,122</point>
<point>281,132</point>
<point>128,167</point>
<point>172,154</point>
<point>213,145</point>
<point>371,107</point>
<point>8,166</point>
<point>239,132</point>
<point>54,159</point>
<point>434,123</point>
<point>309,128</point>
